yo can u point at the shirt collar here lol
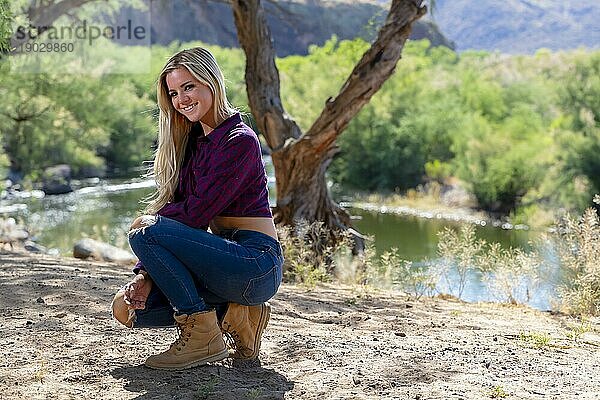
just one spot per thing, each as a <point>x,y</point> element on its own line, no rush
<point>217,134</point>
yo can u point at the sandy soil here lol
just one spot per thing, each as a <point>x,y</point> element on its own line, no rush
<point>57,341</point>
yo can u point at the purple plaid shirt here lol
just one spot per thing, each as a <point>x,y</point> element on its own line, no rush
<point>222,174</point>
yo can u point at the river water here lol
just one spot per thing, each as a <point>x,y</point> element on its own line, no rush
<point>104,210</point>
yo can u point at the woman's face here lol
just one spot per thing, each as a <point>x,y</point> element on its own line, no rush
<point>190,97</point>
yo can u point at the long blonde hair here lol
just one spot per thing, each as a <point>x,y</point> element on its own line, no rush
<point>173,127</point>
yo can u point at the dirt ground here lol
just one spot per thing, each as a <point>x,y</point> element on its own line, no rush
<point>57,341</point>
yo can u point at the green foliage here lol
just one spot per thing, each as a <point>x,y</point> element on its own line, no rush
<point>131,125</point>
<point>92,119</point>
<point>84,121</point>
<point>6,18</point>
<point>80,113</point>
<point>580,97</point>
<point>4,164</point>
<point>308,81</point>
<point>437,170</point>
<point>536,339</point>
<point>500,172</point>
<point>481,117</point>
<point>40,132</point>
<point>400,165</point>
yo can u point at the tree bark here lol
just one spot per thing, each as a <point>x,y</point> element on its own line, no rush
<point>301,160</point>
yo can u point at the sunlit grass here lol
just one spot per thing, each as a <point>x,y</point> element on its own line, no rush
<point>498,392</point>
<point>536,339</point>
<point>576,331</point>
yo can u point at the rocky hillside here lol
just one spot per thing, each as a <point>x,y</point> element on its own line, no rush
<point>519,26</point>
<point>295,25</point>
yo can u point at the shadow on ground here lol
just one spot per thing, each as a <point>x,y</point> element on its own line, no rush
<point>226,381</point>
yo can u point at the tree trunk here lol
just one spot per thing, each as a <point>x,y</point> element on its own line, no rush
<point>301,160</point>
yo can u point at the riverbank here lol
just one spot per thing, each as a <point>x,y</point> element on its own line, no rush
<point>432,205</point>
<point>58,341</point>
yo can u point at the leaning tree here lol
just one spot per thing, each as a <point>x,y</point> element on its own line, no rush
<point>301,158</point>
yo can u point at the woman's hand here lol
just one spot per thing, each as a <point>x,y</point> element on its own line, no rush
<point>137,291</point>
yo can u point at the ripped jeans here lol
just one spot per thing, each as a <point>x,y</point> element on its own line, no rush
<point>193,270</point>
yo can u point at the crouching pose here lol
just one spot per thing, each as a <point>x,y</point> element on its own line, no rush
<point>209,173</point>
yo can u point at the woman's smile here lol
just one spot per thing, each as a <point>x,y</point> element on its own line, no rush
<point>188,108</point>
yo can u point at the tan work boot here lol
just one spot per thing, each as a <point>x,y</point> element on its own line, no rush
<point>245,325</point>
<point>200,341</point>
<point>121,311</point>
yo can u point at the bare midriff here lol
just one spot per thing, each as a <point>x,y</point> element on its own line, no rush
<point>260,224</point>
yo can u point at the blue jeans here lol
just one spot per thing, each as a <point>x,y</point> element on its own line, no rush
<point>194,270</point>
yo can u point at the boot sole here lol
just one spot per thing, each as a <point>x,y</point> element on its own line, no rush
<point>196,363</point>
<point>265,315</point>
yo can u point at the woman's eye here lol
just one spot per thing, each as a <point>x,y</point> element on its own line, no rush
<point>189,87</point>
<point>173,94</point>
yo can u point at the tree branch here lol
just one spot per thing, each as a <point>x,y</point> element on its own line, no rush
<point>21,116</point>
<point>374,68</point>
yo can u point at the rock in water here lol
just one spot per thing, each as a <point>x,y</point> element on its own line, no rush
<point>57,179</point>
<point>90,248</point>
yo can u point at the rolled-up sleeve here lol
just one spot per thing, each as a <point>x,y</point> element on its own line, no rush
<point>230,169</point>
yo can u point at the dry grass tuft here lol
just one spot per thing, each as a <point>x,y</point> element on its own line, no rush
<point>510,274</point>
<point>309,255</point>
<point>578,248</point>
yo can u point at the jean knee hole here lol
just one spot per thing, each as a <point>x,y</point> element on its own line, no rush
<point>145,222</point>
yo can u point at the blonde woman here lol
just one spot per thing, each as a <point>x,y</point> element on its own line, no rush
<point>209,173</point>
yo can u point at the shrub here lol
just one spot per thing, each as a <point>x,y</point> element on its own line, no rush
<point>510,274</point>
<point>459,251</point>
<point>309,257</point>
<point>578,248</point>
<point>389,270</point>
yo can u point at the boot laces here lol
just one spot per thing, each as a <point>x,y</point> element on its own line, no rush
<point>232,337</point>
<point>183,335</point>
